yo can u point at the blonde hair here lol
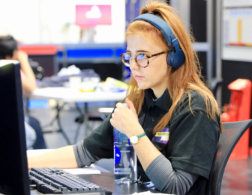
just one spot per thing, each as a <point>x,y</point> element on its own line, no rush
<point>188,76</point>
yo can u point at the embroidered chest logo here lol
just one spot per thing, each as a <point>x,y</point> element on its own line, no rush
<point>162,136</point>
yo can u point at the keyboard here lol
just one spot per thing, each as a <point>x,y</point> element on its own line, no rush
<point>58,181</point>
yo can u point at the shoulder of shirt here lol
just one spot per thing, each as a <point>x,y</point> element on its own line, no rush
<point>196,103</point>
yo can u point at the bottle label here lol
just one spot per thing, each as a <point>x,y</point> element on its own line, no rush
<point>122,171</point>
<point>117,154</point>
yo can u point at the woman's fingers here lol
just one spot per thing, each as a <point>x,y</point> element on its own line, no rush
<point>131,106</point>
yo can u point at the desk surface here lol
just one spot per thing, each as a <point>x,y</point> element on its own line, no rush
<point>73,95</point>
<point>104,180</point>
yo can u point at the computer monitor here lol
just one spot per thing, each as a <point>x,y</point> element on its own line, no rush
<point>13,163</point>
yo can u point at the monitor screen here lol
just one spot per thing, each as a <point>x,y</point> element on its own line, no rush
<point>13,163</point>
<point>92,15</point>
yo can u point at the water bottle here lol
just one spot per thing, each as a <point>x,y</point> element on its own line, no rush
<point>125,169</point>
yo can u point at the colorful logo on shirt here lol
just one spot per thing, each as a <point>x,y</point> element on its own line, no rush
<point>162,136</point>
<point>117,155</point>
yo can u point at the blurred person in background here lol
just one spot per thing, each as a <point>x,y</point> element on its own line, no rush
<point>9,51</point>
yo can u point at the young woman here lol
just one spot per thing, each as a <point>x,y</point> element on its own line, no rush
<point>166,96</point>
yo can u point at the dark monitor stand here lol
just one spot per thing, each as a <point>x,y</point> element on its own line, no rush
<point>13,163</point>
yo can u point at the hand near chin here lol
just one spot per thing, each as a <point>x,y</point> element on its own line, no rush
<point>125,119</point>
<point>22,56</point>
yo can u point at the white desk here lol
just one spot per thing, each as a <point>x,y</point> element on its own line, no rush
<point>69,95</point>
<point>73,95</point>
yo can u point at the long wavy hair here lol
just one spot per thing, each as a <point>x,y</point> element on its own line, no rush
<point>188,76</point>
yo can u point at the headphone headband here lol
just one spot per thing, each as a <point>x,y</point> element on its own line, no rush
<point>159,24</point>
<point>176,57</point>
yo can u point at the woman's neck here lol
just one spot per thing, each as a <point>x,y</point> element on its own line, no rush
<point>158,92</point>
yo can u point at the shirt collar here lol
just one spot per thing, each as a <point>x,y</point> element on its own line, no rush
<point>164,101</point>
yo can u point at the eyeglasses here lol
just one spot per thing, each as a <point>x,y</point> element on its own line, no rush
<point>142,60</point>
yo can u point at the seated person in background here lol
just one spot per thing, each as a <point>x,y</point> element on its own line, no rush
<point>39,142</point>
<point>30,136</point>
<point>9,51</point>
<point>163,98</point>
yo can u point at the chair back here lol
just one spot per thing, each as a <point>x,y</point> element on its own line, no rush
<point>232,132</point>
<point>214,84</point>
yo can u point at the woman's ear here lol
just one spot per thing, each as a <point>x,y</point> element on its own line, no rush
<point>15,55</point>
<point>8,58</point>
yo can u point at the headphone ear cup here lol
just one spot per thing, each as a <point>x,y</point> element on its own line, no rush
<point>176,57</point>
<point>170,58</point>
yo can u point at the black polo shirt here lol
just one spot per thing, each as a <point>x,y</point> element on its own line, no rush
<point>191,139</point>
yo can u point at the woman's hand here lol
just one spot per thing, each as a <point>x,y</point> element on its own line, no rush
<point>125,119</point>
<point>29,80</point>
<point>22,57</point>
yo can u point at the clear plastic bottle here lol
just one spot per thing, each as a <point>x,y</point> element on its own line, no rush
<point>125,169</point>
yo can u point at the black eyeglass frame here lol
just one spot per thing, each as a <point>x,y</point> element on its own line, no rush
<point>147,57</point>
